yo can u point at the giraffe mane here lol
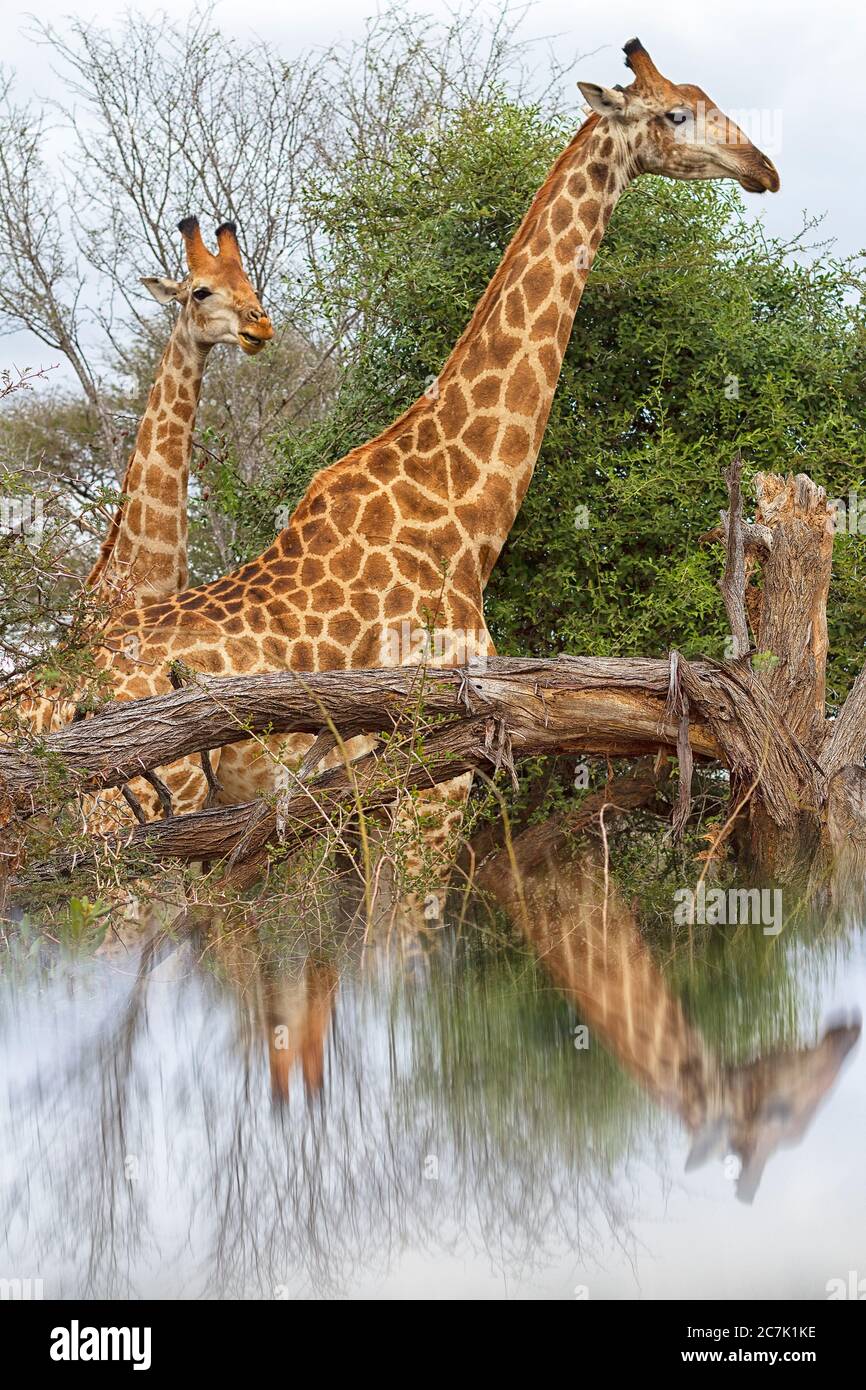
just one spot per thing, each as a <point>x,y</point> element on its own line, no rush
<point>109,541</point>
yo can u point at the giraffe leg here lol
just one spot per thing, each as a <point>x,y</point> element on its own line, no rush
<point>431,823</point>
<point>108,811</point>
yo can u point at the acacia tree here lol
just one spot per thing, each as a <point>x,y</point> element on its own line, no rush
<point>48,619</point>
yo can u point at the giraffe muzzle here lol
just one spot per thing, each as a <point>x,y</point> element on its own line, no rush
<point>252,343</point>
<point>761,175</point>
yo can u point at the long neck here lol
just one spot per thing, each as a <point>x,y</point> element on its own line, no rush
<point>589,943</point>
<point>474,436</point>
<point>496,388</point>
<point>144,556</point>
<point>449,475</point>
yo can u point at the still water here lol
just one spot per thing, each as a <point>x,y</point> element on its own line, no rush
<point>576,1109</point>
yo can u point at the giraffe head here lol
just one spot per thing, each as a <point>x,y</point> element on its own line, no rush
<point>677,130</point>
<point>769,1103</point>
<point>216,298</point>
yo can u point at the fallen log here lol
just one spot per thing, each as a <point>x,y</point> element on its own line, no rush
<point>536,720</point>
<point>605,706</point>
<point>242,831</point>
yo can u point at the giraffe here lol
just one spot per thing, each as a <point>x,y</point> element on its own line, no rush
<point>590,945</point>
<point>404,531</point>
<point>144,555</point>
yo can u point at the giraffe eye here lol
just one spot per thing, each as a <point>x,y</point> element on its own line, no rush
<point>677,117</point>
<point>201,294</point>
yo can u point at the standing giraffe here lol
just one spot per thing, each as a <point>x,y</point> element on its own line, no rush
<point>144,556</point>
<point>404,531</point>
<point>590,945</point>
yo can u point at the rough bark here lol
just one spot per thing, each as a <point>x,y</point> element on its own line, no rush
<point>796,582</point>
<point>791,542</point>
<point>572,705</point>
<point>241,832</point>
<point>524,716</point>
<point>847,741</point>
<point>598,705</point>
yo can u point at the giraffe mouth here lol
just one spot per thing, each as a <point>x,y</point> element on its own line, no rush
<point>753,186</point>
<point>251,344</point>
<point>760,177</point>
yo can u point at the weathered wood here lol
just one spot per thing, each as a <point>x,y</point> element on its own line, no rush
<point>574,705</point>
<point>733,581</point>
<point>847,741</point>
<point>538,722</point>
<point>792,540</point>
<point>242,831</point>
<point>602,704</point>
<point>796,582</point>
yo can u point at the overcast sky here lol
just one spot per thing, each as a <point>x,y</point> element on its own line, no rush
<point>800,64</point>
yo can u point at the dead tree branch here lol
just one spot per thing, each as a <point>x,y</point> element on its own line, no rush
<point>733,582</point>
<point>605,706</point>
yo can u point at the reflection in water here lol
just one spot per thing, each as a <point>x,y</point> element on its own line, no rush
<point>591,946</point>
<point>165,1155</point>
<point>226,1114</point>
<point>297,1018</point>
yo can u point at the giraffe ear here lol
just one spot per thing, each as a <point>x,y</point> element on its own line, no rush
<point>607,101</point>
<point>163,290</point>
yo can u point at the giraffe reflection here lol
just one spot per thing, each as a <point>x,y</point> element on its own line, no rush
<point>590,945</point>
<point>297,1015</point>
<point>158,1143</point>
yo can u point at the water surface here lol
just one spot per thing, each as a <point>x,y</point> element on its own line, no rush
<point>230,1115</point>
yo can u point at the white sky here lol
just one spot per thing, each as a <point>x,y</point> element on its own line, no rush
<point>800,63</point>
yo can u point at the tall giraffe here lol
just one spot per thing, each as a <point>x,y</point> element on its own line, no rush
<point>144,555</point>
<point>590,945</point>
<point>405,530</point>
